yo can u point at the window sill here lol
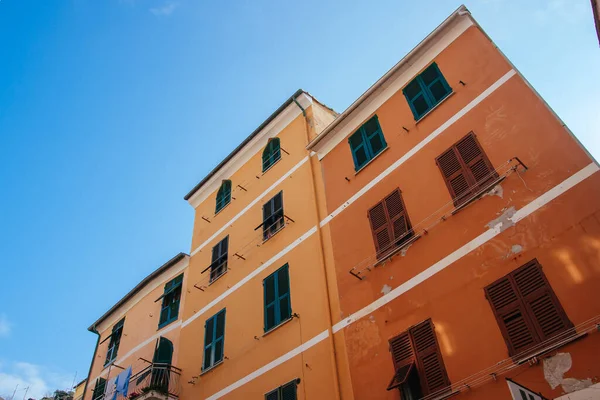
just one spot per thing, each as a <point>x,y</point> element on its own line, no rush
<point>271,166</point>
<point>206,371</point>
<point>275,233</point>
<point>164,324</point>
<point>278,326</point>
<point>371,160</point>
<point>479,195</point>
<point>386,257</point>
<point>417,120</point>
<point>218,277</point>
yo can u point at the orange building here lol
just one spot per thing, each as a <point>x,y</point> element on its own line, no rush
<point>464,220</point>
<point>139,337</point>
<point>257,322</point>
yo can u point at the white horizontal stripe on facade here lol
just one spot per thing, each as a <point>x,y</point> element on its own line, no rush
<point>421,277</point>
<point>251,275</point>
<point>252,203</point>
<point>419,146</point>
<point>266,368</point>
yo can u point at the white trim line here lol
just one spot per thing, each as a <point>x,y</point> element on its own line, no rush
<point>486,236</point>
<point>252,203</point>
<point>266,368</point>
<point>470,246</point>
<point>137,348</point>
<point>251,275</point>
<point>421,144</point>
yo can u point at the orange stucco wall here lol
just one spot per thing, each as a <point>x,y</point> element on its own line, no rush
<point>563,235</point>
<point>140,330</point>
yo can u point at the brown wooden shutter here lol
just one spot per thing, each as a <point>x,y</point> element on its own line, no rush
<point>546,313</point>
<point>511,315</point>
<point>403,358</point>
<point>465,168</point>
<point>475,160</point>
<point>398,220</point>
<point>379,227</point>
<point>429,359</point>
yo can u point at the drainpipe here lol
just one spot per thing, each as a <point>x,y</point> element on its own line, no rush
<point>87,380</point>
<point>336,377</point>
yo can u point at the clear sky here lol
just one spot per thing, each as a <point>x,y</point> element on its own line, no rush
<point>110,111</point>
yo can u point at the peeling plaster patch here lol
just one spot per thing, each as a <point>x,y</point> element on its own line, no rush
<point>516,249</point>
<point>504,221</point>
<point>404,250</point>
<point>555,368</point>
<point>391,278</point>
<point>386,289</point>
<point>372,318</point>
<point>571,384</point>
<point>495,191</point>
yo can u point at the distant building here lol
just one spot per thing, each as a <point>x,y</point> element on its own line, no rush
<point>79,390</point>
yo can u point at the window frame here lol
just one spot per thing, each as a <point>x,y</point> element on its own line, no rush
<point>172,290</point>
<point>272,152</point>
<point>213,344</point>
<point>365,143</point>
<point>522,304</point>
<point>223,196</point>
<point>425,91</point>
<point>114,342</point>
<point>277,298</point>
<point>100,382</point>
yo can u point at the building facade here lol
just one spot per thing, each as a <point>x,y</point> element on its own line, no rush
<point>141,333</point>
<point>257,321</point>
<point>464,220</point>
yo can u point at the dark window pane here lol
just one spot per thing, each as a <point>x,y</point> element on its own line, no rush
<point>420,105</point>
<point>284,308</point>
<point>283,281</point>
<point>438,91</point>
<point>277,202</point>
<point>218,351</point>
<point>376,144</point>
<point>430,74</point>
<point>371,126</point>
<point>270,317</point>
<point>208,336</point>
<point>356,140</point>
<point>269,289</point>
<point>288,392</point>
<point>164,315</point>
<point>361,157</point>
<point>412,89</point>
<point>220,324</point>
<point>207,357</point>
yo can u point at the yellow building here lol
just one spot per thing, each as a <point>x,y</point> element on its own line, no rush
<point>258,290</point>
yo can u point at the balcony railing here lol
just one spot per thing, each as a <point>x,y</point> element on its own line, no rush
<point>163,379</point>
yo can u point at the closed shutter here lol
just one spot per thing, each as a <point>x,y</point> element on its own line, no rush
<point>389,221</point>
<point>526,308</point>
<point>274,395</point>
<point>288,391</point>
<point>429,359</point>
<point>548,316</point>
<point>511,315</point>
<point>209,328</point>
<point>219,336</point>
<point>465,168</point>
<point>269,290</point>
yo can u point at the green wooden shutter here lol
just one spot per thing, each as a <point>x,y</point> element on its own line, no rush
<point>209,329</point>
<point>288,391</point>
<point>271,154</point>
<point>277,297</point>
<point>274,395</point>
<point>270,301</point>
<point>283,288</point>
<point>223,196</point>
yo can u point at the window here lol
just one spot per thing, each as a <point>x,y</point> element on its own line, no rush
<point>170,301</point>
<point>278,307</point>
<point>366,143</point>
<point>466,169</point>
<point>99,389</point>
<point>223,196</point>
<point>218,266</point>
<point>214,339</point>
<point>526,308</point>
<point>426,90</point>
<point>115,340</point>
<point>389,224</point>
<point>271,154</point>
<point>418,362</point>
<point>273,219</point>
<point>285,392</point>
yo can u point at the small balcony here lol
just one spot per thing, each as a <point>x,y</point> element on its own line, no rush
<point>155,382</point>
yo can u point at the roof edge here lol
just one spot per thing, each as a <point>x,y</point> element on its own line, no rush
<point>244,142</point>
<point>180,256</point>
<point>460,11</point>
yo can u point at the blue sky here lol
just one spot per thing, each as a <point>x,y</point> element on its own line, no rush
<point>110,111</point>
